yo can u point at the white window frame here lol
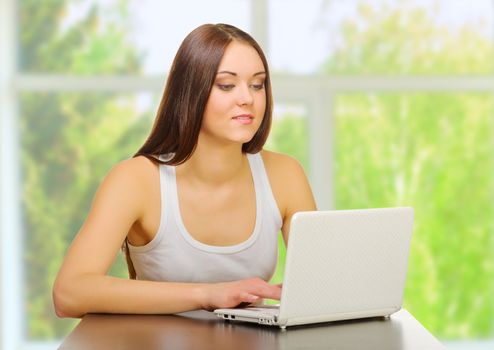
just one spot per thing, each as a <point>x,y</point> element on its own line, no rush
<point>317,93</point>
<point>10,205</point>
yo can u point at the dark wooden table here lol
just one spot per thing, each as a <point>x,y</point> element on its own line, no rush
<point>203,330</point>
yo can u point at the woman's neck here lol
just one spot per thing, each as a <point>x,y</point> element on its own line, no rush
<point>213,166</point>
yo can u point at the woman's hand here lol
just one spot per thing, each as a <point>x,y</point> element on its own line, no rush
<point>232,294</point>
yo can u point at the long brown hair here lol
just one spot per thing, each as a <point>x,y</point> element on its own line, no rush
<point>178,121</point>
<point>176,128</point>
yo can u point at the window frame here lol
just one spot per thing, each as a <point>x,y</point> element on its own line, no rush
<point>11,297</point>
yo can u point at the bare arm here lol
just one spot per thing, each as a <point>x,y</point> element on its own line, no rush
<point>290,186</point>
<point>299,197</point>
<point>82,285</point>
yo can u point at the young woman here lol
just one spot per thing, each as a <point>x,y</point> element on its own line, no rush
<point>200,205</point>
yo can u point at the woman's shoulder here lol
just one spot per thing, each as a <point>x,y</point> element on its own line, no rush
<point>279,163</point>
<point>135,168</point>
<point>288,181</point>
<point>133,173</point>
<point>278,166</point>
<point>128,186</point>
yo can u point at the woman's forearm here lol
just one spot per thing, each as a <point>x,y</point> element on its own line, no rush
<point>106,294</point>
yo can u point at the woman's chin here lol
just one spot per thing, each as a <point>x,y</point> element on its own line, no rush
<point>243,138</point>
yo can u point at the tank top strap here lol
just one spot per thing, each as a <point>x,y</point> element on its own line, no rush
<point>168,189</point>
<point>168,186</point>
<point>263,186</point>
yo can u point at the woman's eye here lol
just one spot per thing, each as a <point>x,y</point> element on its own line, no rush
<point>225,87</point>
<point>257,86</point>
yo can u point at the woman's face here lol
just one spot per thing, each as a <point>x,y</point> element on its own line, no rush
<point>237,101</point>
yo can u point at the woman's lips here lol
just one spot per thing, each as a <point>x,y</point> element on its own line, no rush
<point>244,119</point>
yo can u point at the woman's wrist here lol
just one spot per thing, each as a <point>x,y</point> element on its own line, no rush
<point>201,295</point>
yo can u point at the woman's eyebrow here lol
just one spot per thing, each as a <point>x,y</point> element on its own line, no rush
<point>235,74</point>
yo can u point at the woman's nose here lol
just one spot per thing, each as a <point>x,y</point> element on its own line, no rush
<point>244,95</point>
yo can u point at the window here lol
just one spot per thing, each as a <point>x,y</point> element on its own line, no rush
<point>432,151</point>
<point>384,103</point>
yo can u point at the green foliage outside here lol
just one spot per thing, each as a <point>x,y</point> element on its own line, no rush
<point>289,135</point>
<point>69,141</point>
<point>404,40</point>
<point>431,151</point>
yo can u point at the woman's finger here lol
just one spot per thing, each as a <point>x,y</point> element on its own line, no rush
<point>248,298</point>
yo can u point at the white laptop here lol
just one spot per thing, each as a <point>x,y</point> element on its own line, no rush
<point>340,264</point>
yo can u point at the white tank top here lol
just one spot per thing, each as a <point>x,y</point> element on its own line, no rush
<point>175,256</point>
